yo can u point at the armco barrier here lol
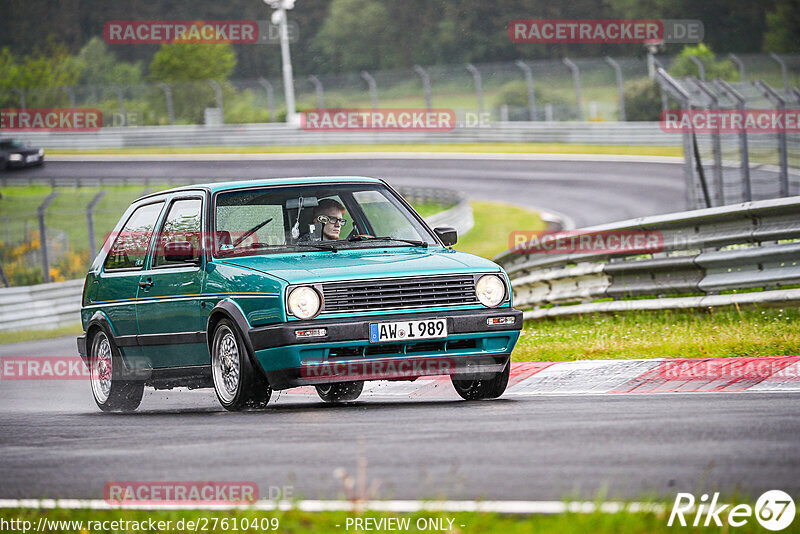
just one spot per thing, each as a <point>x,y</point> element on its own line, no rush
<point>605,133</point>
<point>754,245</point>
<point>47,306</point>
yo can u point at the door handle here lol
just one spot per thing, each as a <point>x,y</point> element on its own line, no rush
<point>146,285</point>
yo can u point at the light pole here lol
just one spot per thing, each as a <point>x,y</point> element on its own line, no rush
<point>279,19</point>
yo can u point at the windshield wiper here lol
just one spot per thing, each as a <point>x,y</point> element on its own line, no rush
<point>317,246</point>
<point>413,242</point>
<point>251,231</point>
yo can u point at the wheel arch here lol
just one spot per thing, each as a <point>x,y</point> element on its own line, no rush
<point>228,309</point>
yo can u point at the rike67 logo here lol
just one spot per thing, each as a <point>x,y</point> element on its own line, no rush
<point>774,510</point>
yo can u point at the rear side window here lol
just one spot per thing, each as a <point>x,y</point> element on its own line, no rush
<point>130,246</point>
<point>181,231</point>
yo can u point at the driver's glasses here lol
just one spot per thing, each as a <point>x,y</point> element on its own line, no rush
<point>325,219</point>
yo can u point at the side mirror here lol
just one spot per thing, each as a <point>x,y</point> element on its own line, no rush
<point>179,252</point>
<point>448,235</point>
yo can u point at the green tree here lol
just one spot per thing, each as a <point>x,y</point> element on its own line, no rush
<point>183,62</point>
<point>187,67</point>
<point>357,34</point>
<point>783,28</point>
<point>684,66</point>
<point>642,100</point>
<point>40,74</point>
<point>101,67</point>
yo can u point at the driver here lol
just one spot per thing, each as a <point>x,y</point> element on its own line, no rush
<point>330,214</point>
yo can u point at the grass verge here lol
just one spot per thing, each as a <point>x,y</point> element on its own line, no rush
<point>294,521</point>
<point>512,148</point>
<point>31,335</point>
<point>718,333</point>
<point>494,222</point>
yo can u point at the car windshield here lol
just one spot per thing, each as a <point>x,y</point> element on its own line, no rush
<point>12,144</point>
<point>313,217</point>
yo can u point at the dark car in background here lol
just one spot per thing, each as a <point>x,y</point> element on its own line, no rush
<point>16,154</point>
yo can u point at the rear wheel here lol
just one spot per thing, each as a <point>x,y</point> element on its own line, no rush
<point>481,386</point>
<point>238,385</point>
<point>110,391</point>
<point>340,391</point>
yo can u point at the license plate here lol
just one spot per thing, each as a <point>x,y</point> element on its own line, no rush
<point>407,330</point>
<point>28,159</point>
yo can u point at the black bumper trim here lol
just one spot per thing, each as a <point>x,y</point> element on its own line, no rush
<point>458,322</point>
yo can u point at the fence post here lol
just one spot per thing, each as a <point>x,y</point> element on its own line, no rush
<point>669,83</point>
<point>319,90</point>
<point>740,65</point>
<point>71,93</point>
<point>657,64</point>
<point>90,222</point>
<point>780,103</point>
<point>701,69</point>
<point>3,276</point>
<point>218,97</point>
<point>43,234</point>
<point>426,85</point>
<point>576,81</point>
<point>526,70</point>
<point>168,95</point>
<point>476,75</point>
<point>373,88</point>
<point>784,73</point>
<point>270,97</point>
<point>21,95</point>
<point>716,144</point>
<point>121,100</point>
<point>620,86</point>
<point>744,153</point>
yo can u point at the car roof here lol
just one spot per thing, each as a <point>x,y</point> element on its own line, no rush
<point>215,187</point>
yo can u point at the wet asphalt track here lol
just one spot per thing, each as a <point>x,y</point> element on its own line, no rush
<point>55,443</point>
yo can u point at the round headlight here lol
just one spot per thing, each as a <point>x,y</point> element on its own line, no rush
<point>490,290</point>
<point>304,302</point>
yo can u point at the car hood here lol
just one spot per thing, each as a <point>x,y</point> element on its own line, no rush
<point>25,151</point>
<point>363,264</point>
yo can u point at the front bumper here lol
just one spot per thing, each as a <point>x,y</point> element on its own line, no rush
<point>346,354</point>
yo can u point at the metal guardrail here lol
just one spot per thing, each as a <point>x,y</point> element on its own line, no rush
<point>48,306</point>
<point>705,252</point>
<point>605,133</point>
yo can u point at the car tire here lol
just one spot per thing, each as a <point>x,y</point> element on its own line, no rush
<point>340,391</point>
<point>238,385</point>
<point>477,388</point>
<point>110,391</point>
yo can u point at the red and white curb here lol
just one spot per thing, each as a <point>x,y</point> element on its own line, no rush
<point>620,376</point>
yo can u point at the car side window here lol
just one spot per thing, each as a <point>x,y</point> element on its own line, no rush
<point>130,246</point>
<point>179,241</point>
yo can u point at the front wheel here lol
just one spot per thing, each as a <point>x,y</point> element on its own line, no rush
<point>479,387</point>
<point>110,391</point>
<point>340,391</point>
<point>237,384</point>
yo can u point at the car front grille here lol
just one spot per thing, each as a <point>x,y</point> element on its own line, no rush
<point>398,293</point>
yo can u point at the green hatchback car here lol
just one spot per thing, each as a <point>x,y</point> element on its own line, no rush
<point>250,287</point>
